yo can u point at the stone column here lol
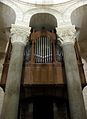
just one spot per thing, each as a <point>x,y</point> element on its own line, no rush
<point>85,97</point>
<point>1,98</point>
<point>12,90</point>
<point>76,102</point>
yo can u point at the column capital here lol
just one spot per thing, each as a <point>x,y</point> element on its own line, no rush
<point>19,34</point>
<point>67,34</point>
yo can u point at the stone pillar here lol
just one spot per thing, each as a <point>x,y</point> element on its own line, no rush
<point>1,98</point>
<point>85,97</point>
<point>12,90</point>
<point>76,102</point>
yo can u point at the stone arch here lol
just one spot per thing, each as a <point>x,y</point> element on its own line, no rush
<point>79,17</point>
<point>71,9</point>
<point>7,16</point>
<point>38,21</point>
<point>31,12</point>
<point>17,10</point>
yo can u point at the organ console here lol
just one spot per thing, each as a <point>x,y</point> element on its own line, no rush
<point>43,73</point>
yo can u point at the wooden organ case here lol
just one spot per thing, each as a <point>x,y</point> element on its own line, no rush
<point>43,80</point>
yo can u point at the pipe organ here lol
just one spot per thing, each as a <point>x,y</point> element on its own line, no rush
<point>43,49</point>
<point>43,76</point>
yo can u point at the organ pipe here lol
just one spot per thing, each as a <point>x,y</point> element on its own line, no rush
<point>43,50</point>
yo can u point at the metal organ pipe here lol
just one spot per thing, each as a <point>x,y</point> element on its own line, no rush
<point>47,51</point>
<point>35,52</point>
<point>43,50</point>
<point>38,51</point>
<point>51,52</point>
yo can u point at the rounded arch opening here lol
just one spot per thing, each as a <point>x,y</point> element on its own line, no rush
<point>43,20</point>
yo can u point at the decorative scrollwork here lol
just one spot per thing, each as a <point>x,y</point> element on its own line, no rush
<point>67,34</point>
<point>19,34</point>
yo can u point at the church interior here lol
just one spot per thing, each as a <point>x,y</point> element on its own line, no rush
<point>43,59</point>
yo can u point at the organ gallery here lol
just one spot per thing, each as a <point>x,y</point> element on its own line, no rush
<point>43,77</point>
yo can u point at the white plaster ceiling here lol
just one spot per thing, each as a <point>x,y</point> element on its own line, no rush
<point>44,1</point>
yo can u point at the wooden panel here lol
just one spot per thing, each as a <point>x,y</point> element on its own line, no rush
<point>48,74</point>
<point>44,74</point>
